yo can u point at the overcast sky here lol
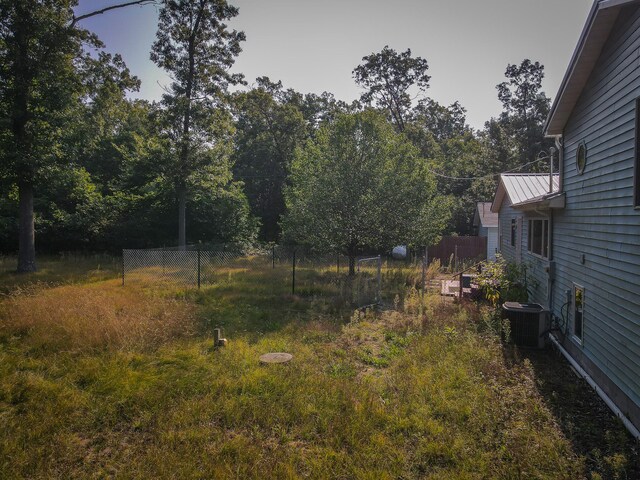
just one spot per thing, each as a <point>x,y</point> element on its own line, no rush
<point>312,46</point>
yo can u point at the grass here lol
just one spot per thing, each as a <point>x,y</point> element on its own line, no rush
<point>97,380</point>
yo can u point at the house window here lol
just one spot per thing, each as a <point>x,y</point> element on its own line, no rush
<point>636,170</point>
<point>581,158</point>
<point>514,228</point>
<point>578,308</point>
<point>538,237</point>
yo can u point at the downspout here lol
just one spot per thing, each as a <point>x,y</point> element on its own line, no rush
<point>614,408</point>
<point>551,151</point>
<point>552,273</point>
<point>560,147</point>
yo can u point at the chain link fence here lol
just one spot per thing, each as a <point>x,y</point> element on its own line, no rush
<point>279,269</point>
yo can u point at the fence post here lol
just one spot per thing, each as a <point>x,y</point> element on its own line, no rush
<point>460,287</point>
<point>273,257</point>
<point>123,267</point>
<point>424,271</point>
<point>163,261</point>
<point>379,293</point>
<point>455,258</point>
<point>293,278</point>
<point>198,265</point>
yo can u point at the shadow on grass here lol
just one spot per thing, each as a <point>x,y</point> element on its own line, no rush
<point>596,434</point>
<point>60,269</point>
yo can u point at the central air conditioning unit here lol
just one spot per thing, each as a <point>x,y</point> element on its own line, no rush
<point>527,322</point>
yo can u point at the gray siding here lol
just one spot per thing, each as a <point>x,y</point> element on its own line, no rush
<point>599,220</point>
<point>492,242</point>
<point>537,276</point>
<point>504,238</point>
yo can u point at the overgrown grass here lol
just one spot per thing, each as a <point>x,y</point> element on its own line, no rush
<point>97,380</point>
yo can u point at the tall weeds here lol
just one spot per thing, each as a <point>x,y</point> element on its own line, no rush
<point>86,317</point>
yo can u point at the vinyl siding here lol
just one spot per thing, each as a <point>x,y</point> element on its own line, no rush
<point>537,277</point>
<point>492,242</point>
<point>599,220</point>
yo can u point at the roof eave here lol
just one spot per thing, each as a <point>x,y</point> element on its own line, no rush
<point>594,35</point>
<point>552,201</point>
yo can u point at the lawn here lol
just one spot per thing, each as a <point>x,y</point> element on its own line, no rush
<point>99,380</point>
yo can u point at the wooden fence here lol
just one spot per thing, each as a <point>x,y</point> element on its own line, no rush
<point>459,248</point>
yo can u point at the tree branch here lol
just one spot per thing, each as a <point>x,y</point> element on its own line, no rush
<point>113,7</point>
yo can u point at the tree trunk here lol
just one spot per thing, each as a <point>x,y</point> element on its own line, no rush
<point>182,217</point>
<point>352,264</point>
<point>26,241</point>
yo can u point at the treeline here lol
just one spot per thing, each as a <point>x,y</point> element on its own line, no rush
<point>84,167</point>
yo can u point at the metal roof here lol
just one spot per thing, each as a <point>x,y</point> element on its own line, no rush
<point>485,216</point>
<point>523,188</point>
<point>595,33</point>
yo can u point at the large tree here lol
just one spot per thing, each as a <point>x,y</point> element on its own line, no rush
<point>43,64</point>
<point>197,48</point>
<point>358,185</point>
<point>388,78</point>
<point>525,108</point>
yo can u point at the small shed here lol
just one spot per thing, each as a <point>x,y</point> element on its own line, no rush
<point>485,224</point>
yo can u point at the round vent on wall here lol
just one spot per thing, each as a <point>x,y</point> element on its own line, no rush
<point>581,158</point>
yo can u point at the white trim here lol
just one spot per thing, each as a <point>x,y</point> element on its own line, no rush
<point>546,232</point>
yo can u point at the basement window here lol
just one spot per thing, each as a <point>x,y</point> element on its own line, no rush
<point>538,237</point>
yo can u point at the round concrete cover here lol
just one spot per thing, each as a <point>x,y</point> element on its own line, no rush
<point>276,357</point>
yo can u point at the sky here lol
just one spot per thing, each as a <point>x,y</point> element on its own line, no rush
<point>313,46</point>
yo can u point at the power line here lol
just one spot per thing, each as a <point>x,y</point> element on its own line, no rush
<point>441,175</point>
<point>488,175</point>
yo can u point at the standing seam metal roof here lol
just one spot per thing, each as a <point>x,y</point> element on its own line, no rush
<point>522,188</point>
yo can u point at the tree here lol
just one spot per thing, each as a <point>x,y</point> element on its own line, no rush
<point>358,184</point>
<point>42,58</point>
<point>388,77</point>
<point>195,46</point>
<point>268,130</point>
<point>525,108</point>
<point>444,123</point>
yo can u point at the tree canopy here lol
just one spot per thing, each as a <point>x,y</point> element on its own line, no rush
<point>360,185</point>
<point>87,167</point>
<point>388,77</point>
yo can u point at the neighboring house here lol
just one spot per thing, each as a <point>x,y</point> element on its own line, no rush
<point>523,231</point>
<point>593,236</point>
<point>485,224</point>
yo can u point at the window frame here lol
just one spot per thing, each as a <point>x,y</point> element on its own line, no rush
<point>544,236</point>
<point>578,338</point>
<point>514,230</point>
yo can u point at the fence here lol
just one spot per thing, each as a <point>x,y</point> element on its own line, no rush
<point>459,249</point>
<point>275,270</point>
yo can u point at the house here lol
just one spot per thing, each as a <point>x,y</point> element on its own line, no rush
<point>590,226</point>
<point>523,230</point>
<point>485,224</point>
